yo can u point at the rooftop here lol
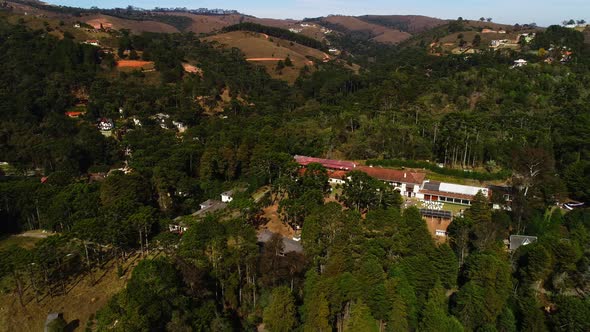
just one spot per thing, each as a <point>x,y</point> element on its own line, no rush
<point>467,191</point>
<point>327,163</point>
<point>517,241</point>
<point>289,245</point>
<point>393,175</point>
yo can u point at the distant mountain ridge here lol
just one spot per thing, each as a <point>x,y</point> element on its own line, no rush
<point>389,29</point>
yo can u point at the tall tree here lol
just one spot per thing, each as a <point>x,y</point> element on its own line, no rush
<point>279,315</point>
<point>361,319</point>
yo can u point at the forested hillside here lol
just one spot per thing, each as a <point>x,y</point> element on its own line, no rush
<point>367,261</point>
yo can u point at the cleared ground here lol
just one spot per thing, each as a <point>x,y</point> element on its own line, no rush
<point>381,34</point>
<point>269,50</point>
<point>79,304</point>
<point>133,25</point>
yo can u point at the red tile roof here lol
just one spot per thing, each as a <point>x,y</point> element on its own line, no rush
<point>393,175</point>
<point>337,174</point>
<point>327,163</point>
<point>74,114</point>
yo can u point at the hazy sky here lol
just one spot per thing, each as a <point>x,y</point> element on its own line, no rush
<point>542,12</point>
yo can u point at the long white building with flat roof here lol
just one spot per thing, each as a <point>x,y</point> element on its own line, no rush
<point>450,192</point>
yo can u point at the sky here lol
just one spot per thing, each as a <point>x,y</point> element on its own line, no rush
<point>542,12</point>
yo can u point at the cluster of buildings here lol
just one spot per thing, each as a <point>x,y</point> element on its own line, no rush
<point>488,31</point>
<point>412,185</point>
<point>207,207</point>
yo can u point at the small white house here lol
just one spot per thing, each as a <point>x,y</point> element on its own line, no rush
<point>181,127</point>
<point>92,42</point>
<point>180,228</point>
<point>227,196</point>
<point>519,63</point>
<point>105,124</point>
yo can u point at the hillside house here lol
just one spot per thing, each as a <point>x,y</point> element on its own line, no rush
<point>179,228</point>
<point>93,42</point>
<point>337,177</point>
<point>227,196</point>
<point>408,183</point>
<point>105,124</point>
<point>501,197</point>
<point>181,127</point>
<point>136,122</point>
<point>520,63</point>
<point>516,241</point>
<point>289,245</point>
<point>161,118</point>
<point>74,114</point>
<point>527,37</point>
<point>498,43</point>
<point>450,192</point>
<point>488,31</point>
<point>438,222</point>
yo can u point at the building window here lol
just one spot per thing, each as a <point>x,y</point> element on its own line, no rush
<point>440,233</point>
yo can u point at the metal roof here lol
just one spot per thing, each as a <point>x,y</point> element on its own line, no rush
<point>517,241</point>
<point>327,163</point>
<point>461,189</point>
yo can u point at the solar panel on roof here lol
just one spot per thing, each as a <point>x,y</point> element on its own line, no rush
<point>436,213</point>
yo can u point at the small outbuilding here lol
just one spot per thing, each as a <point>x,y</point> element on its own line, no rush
<point>516,241</point>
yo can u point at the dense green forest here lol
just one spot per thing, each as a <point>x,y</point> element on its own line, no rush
<point>367,264</point>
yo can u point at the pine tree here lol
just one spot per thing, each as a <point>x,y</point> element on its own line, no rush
<point>434,316</point>
<point>279,315</point>
<point>447,266</point>
<point>398,315</point>
<point>288,61</point>
<point>317,314</point>
<point>361,319</point>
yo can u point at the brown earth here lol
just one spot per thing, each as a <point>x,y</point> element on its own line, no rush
<point>257,48</point>
<point>414,23</point>
<point>275,224</point>
<point>133,25</point>
<point>212,23</point>
<point>81,301</point>
<point>380,33</point>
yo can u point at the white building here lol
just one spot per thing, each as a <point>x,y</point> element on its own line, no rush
<point>227,196</point>
<point>450,192</point>
<point>519,63</point>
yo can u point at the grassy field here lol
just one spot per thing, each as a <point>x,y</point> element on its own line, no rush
<point>20,241</point>
<point>79,305</point>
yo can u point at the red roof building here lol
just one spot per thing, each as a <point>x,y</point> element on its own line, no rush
<point>74,115</point>
<point>393,175</point>
<point>327,163</point>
